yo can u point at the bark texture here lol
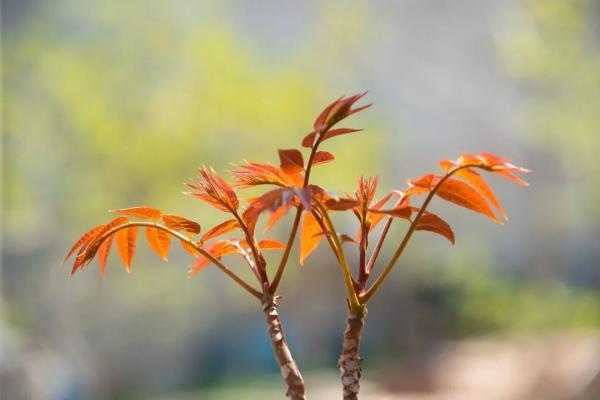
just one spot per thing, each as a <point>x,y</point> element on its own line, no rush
<point>349,362</point>
<point>289,370</point>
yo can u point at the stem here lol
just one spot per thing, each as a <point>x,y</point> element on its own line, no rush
<point>379,245</point>
<point>292,237</point>
<point>196,247</point>
<point>289,370</point>
<point>350,360</point>
<point>411,229</point>
<point>352,296</point>
<point>259,268</point>
<point>286,252</point>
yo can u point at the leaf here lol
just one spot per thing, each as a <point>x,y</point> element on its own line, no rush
<point>341,204</point>
<point>188,247</point>
<point>462,194</point>
<point>402,211</point>
<point>211,188</point>
<point>270,200</point>
<point>141,212</point>
<point>103,253</point>
<point>220,229</point>
<point>89,235</point>
<point>159,241</point>
<point>275,216</point>
<point>478,183</point>
<point>291,161</point>
<point>336,111</point>
<point>268,244</point>
<point>498,165</point>
<point>88,250</point>
<point>178,223</point>
<point>254,174</point>
<point>432,223</point>
<point>322,157</point>
<point>217,250</point>
<point>309,238</point>
<point>126,245</point>
<point>309,139</point>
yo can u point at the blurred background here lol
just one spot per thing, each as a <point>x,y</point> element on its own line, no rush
<point>110,104</point>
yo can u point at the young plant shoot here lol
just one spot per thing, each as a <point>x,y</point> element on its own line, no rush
<point>290,189</point>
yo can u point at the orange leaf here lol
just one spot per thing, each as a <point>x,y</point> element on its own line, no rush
<point>141,212</point>
<point>341,204</point>
<point>103,252</point>
<point>309,238</point>
<point>126,245</point>
<point>291,161</point>
<point>211,188</point>
<point>188,247</point>
<point>398,212</point>
<point>338,132</point>
<point>322,157</point>
<point>432,223</point>
<point>338,110</point>
<point>462,194</point>
<point>178,223</point>
<point>88,236</point>
<point>478,183</point>
<point>217,250</point>
<point>253,174</point>
<point>159,241</point>
<point>268,244</point>
<point>220,229</point>
<point>88,251</point>
<point>275,216</point>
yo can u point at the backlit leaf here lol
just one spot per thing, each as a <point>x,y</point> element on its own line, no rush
<point>141,212</point>
<point>432,223</point>
<point>478,183</point>
<point>322,157</point>
<point>291,161</point>
<point>309,238</point>
<point>275,216</point>
<point>159,241</point>
<point>178,223</point>
<point>268,244</point>
<point>103,253</point>
<point>126,244</point>
<point>464,195</point>
<point>220,229</point>
<point>89,235</point>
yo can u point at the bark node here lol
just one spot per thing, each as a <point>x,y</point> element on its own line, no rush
<point>287,366</point>
<point>350,360</point>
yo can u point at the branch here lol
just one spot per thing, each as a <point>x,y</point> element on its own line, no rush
<point>196,247</point>
<point>373,289</point>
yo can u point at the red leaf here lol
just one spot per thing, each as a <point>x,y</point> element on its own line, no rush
<point>254,174</point>
<point>398,212</point>
<point>309,238</point>
<point>477,182</point>
<point>275,216</point>
<point>217,250</point>
<point>341,204</point>
<point>432,223</point>
<point>462,194</point>
<point>220,229</point>
<point>188,247</point>
<point>291,161</point>
<point>338,110</point>
<point>103,253</point>
<point>211,188</point>
<point>338,132</point>
<point>178,223</point>
<point>159,241</point>
<point>322,157</point>
<point>88,250</point>
<point>88,236</point>
<point>268,244</point>
<point>126,245</point>
<point>141,212</point>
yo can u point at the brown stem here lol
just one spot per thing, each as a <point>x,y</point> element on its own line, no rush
<point>289,370</point>
<point>349,361</point>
